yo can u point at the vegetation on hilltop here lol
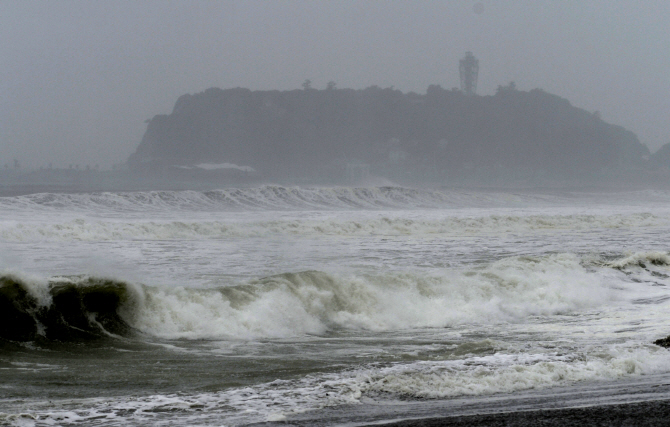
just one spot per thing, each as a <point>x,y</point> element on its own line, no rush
<point>443,134</point>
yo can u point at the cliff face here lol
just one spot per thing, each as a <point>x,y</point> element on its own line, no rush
<point>440,134</point>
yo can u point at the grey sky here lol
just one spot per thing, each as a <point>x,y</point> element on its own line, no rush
<point>78,78</point>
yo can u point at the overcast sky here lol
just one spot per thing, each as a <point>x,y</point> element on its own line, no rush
<point>79,78</point>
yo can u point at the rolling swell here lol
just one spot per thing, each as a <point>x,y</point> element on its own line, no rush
<point>100,230</point>
<point>277,197</point>
<point>64,309</point>
<point>268,197</point>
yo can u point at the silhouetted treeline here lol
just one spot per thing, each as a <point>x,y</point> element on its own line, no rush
<point>440,135</point>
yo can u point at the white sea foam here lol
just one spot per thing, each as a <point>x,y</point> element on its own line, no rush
<point>105,230</point>
<point>278,400</point>
<point>312,302</point>
<point>35,286</point>
<point>404,318</point>
<point>258,198</point>
<point>512,372</point>
<point>294,304</point>
<point>471,376</point>
<point>273,197</point>
<point>641,259</point>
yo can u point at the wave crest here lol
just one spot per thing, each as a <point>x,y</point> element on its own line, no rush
<point>277,197</point>
<point>641,259</point>
<point>98,230</point>
<point>65,309</point>
<point>315,302</point>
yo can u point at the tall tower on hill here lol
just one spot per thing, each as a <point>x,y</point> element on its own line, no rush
<point>469,69</point>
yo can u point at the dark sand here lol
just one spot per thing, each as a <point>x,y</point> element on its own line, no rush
<point>654,413</point>
<point>647,413</point>
<point>638,401</point>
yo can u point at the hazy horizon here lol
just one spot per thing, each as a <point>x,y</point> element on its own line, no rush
<point>79,79</point>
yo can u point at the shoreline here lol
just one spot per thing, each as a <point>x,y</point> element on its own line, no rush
<point>639,401</point>
<point>645,413</point>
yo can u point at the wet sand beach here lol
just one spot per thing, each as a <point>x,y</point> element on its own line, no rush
<point>636,402</point>
<point>653,413</point>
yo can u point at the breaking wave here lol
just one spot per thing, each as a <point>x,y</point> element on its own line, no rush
<point>64,309</point>
<point>105,230</point>
<point>641,259</point>
<point>312,302</point>
<point>260,198</point>
<point>274,197</point>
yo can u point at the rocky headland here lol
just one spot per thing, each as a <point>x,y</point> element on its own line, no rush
<point>442,136</point>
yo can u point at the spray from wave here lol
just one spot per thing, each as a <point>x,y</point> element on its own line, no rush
<point>313,302</point>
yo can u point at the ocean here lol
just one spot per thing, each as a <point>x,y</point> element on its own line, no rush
<point>327,306</point>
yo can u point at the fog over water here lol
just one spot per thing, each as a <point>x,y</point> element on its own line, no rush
<point>292,213</point>
<point>78,79</point>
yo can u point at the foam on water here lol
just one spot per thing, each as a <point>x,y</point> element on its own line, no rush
<point>259,198</point>
<point>641,259</point>
<point>273,197</point>
<point>104,230</point>
<point>312,302</point>
<point>512,372</point>
<point>315,302</point>
<point>274,401</point>
<point>382,319</point>
<point>292,304</point>
<point>511,291</point>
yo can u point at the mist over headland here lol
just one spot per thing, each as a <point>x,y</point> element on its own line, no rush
<point>350,136</point>
<point>78,78</point>
<point>114,97</point>
<point>368,137</point>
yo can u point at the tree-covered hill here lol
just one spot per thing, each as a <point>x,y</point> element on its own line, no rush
<point>437,136</point>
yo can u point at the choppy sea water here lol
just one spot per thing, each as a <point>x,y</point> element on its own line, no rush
<point>241,306</point>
